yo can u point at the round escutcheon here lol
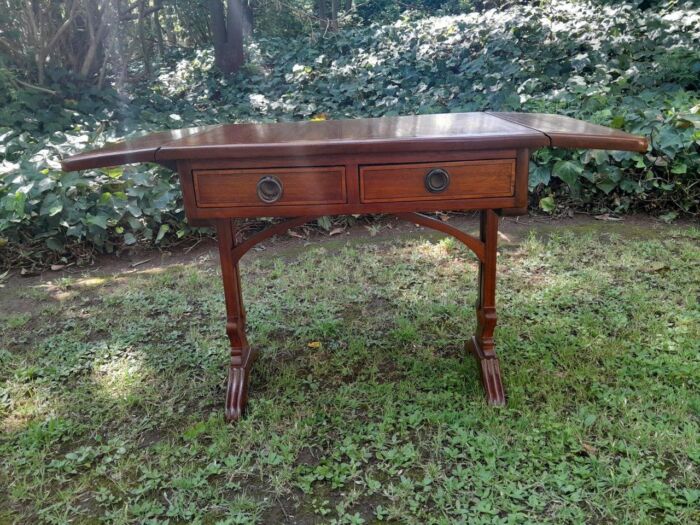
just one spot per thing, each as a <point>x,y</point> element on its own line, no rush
<point>437,180</point>
<point>269,189</point>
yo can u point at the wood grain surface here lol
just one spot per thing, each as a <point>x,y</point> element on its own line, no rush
<point>238,187</point>
<point>445,132</point>
<point>468,180</point>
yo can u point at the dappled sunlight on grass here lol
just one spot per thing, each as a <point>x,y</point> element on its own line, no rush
<point>151,271</point>
<point>69,288</point>
<point>119,378</point>
<point>29,402</point>
<point>90,282</point>
<point>446,250</point>
<point>52,291</point>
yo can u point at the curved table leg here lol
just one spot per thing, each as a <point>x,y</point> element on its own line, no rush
<point>242,357</point>
<point>481,345</point>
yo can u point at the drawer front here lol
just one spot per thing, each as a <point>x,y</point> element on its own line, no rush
<point>269,187</point>
<point>438,181</point>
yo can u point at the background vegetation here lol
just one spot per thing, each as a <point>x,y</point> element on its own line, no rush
<point>77,74</point>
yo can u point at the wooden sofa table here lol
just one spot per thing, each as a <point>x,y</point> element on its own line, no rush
<point>393,165</point>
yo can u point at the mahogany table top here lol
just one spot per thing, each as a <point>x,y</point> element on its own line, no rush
<point>450,131</point>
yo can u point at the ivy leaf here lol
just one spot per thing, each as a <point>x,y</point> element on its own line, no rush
<point>133,209</point>
<point>669,140</point>
<point>629,186</point>
<point>538,175</point>
<point>606,185</point>
<point>679,168</point>
<point>73,179</point>
<point>16,203</point>
<point>568,171</point>
<point>76,230</point>
<point>99,220</point>
<point>547,204</point>
<point>52,205</point>
<point>55,245</point>
<point>588,175</point>
<point>114,173</point>
<point>596,156</point>
<point>47,183</point>
<point>325,222</point>
<point>617,122</point>
<point>164,228</point>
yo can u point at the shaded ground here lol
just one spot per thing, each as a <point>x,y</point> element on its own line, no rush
<point>364,407</point>
<point>512,231</point>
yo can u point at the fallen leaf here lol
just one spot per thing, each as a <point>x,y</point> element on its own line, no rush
<point>590,449</point>
<point>607,217</point>
<point>656,267</point>
<point>139,263</point>
<point>314,344</point>
<point>668,217</point>
<point>292,233</point>
<point>56,267</point>
<point>336,231</point>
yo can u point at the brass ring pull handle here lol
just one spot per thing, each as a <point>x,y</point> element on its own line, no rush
<point>437,180</point>
<point>269,189</point>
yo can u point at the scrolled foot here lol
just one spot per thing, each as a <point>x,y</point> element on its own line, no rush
<point>490,371</point>
<point>237,387</point>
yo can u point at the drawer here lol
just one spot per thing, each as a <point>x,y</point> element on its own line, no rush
<point>222,188</point>
<point>438,181</point>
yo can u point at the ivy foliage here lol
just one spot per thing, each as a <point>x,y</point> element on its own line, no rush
<point>614,65</point>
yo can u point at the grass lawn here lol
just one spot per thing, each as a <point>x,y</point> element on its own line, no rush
<point>364,407</point>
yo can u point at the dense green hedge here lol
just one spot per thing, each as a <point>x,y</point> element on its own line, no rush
<point>614,65</point>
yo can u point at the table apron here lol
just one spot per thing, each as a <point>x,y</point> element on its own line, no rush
<point>348,198</point>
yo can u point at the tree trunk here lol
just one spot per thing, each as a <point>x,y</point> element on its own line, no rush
<point>227,34</point>
<point>143,38</point>
<point>43,41</point>
<point>335,4</point>
<point>247,20</point>
<point>235,22</point>
<point>97,30</point>
<point>322,14</point>
<point>158,30</point>
<point>168,22</point>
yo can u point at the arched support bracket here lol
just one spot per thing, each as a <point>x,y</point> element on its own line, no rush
<point>239,250</point>
<point>481,345</point>
<point>474,244</point>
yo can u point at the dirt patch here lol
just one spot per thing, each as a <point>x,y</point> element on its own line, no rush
<point>30,295</point>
